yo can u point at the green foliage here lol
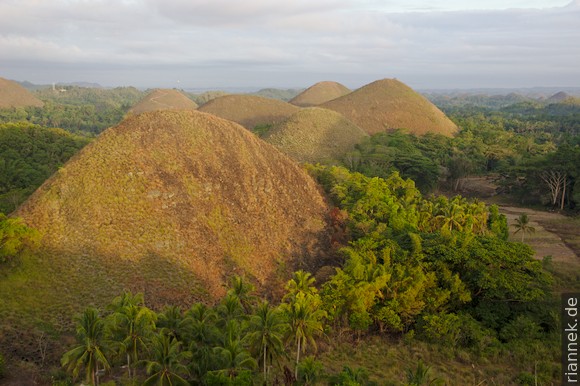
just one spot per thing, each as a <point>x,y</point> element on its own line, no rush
<point>29,154</point>
<point>352,377</point>
<point>309,370</point>
<point>419,376</point>
<point>2,366</point>
<point>14,237</point>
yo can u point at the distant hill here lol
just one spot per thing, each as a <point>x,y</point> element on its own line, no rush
<point>206,96</point>
<point>388,104</point>
<point>172,204</point>
<point>315,135</point>
<point>320,93</point>
<point>249,110</point>
<point>558,97</point>
<point>14,95</point>
<point>276,93</point>
<point>163,99</point>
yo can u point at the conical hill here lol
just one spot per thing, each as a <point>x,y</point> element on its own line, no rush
<point>249,110</point>
<point>14,95</point>
<point>320,93</point>
<point>388,104</point>
<point>163,99</point>
<point>315,135</point>
<point>172,204</point>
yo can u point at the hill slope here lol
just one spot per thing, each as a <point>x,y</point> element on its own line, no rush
<point>320,93</point>
<point>249,110</point>
<point>171,204</point>
<point>163,99</point>
<point>389,104</point>
<point>14,95</point>
<point>315,135</point>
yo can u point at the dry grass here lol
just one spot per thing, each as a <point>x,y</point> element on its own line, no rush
<point>163,99</point>
<point>389,104</point>
<point>169,203</point>
<point>315,135</point>
<point>320,93</point>
<point>14,95</point>
<point>249,110</point>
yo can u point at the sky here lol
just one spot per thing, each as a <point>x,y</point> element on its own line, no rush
<point>444,44</point>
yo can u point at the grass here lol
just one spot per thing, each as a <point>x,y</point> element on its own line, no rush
<point>320,93</point>
<point>168,203</point>
<point>14,95</point>
<point>163,99</point>
<point>315,135</point>
<point>249,110</point>
<point>389,104</point>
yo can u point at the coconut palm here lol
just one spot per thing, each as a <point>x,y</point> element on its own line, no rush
<point>267,330</point>
<point>243,290</point>
<point>90,351</point>
<point>130,326</point>
<point>167,364</point>
<point>231,357</point>
<point>522,224</point>
<point>305,319</point>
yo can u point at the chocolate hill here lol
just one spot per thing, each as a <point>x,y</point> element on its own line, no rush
<point>320,93</point>
<point>388,104</point>
<point>163,99</point>
<point>14,95</point>
<point>249,110</point>
<point>172,204</point>
<point>315,135</point>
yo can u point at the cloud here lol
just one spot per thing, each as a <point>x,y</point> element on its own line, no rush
<point>353,39</point>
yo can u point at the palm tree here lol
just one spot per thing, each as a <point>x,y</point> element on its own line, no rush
<point>523,224</point>
<point>302,282</point>
<point>202,334</point>
<point>172,322</point>
<point>243,290</point>
<point>305,319</point>
<point>231,356</point>
<point>89,353</point>
<point>130,325</point>
<point>166,366</point>
<point>267,330</point>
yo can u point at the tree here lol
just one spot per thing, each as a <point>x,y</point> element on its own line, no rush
<point>130,326</point>
<point>167,364</point>
<point>267,330</point>
<point>305,319</point>
<point>90,351</point>
<point>522,224</point>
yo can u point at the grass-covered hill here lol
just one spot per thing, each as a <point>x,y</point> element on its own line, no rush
<point>163,99</point>
<point>315,135</point>
<point>14,95</point>
<point>171,204</point>
<point>320,93</point>
<point>249,110</point>
<point>389,104</point>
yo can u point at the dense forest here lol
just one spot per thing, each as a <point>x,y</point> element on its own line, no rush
<point>417,263</point>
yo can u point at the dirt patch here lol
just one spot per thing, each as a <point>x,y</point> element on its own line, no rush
<point>556,235</point>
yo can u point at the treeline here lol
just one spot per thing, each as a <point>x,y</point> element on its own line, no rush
<point>440,270</point>
<point>29,154</point>
<point>79,110</point>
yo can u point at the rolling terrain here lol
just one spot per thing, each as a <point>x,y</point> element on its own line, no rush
<point>14,95</point>
<point>320,93</point>
<point>163,99</point>
<point>388,104</point>
<point>315,135</point>
<point>170,204</point>
<point>249,110</point>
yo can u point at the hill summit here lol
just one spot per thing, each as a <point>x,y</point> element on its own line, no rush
<point>163,99</point>
<point>320,93</point>
<point>172,204</point>
<point>14,95</point>
<point>249,110</point>
<point>315,135</point>
<point>389,104</point>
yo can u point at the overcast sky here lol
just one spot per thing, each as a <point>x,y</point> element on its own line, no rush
<point>291,43</point>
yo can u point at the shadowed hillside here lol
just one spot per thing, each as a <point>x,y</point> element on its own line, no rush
<point>14,95</point>
<point>320,93</point>
<point>388,104</point>
<point>163,99</point>
<point>171,204</point>
<point>249,110</point>
<point>315,135</point>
